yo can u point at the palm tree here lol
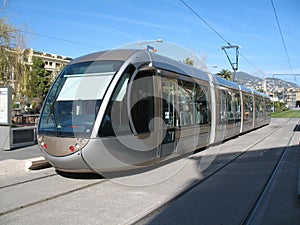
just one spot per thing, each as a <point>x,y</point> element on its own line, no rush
<point>189,61</point>
<point>226,74</point>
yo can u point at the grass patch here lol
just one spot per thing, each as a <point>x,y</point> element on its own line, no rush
<point>287,114</point>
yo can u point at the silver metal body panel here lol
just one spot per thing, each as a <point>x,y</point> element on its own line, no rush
<point>126,152</point>
<point>109,154</point>
<point>70,163</point>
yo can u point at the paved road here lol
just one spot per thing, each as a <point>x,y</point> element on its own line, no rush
<point>227,197</point>
<point>47,198</point>
<point>21,153</point>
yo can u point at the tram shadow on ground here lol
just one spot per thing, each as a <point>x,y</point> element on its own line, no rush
<point>229,196</point>
<point>122,173</point>
<point>87,176</point>
<point>144,169</point>
<point>297,128</point>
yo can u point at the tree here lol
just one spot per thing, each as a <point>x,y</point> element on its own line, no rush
<point>40,79</point>
<point>226,74</point>
<point>12,69</point>
<point>189,61</point>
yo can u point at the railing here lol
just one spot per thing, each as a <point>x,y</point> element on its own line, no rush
<point>17,137</point>
<point>23,136</point>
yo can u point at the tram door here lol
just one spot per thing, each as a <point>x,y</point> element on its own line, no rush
<point>168,113</point>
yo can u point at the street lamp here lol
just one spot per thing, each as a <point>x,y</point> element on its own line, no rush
<point>149,42</point>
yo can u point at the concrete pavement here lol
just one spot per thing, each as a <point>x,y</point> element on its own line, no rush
<point>44,197</point>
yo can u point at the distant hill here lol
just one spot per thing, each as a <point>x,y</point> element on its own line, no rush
<point>256,82</point>
<point>247,79</point>
<point>281,83</point>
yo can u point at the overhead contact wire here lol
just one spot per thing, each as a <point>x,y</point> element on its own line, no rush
<point>218,34</point>
<point>282,39</point>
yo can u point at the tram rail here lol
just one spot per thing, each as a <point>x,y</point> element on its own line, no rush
<point>257,200</point>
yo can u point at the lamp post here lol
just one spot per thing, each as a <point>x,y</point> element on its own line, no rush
<point>149,42</point>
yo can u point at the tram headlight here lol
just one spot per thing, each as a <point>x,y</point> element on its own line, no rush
<point>83,142</point>
<point>77,146</point>
<point>42,142</point>
<point>40,139</point>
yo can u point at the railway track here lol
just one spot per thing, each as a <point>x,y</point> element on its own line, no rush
<point>45,198</point>
<point>108,201</point>
<point>259,199</point>
<point>50,198</point>
<point>27,181</point>
<point>249,215</point>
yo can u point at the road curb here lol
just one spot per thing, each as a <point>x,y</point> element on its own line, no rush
<point>37,163</point>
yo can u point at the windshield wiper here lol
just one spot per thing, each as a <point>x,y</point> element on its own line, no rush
<point>55,120</point>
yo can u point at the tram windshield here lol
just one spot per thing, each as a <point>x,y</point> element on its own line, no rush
<point>73,102</point>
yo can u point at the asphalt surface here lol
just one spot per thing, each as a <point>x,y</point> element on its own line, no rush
<point>186,191</point>
<point>225,198</point>
<point>21,153</point>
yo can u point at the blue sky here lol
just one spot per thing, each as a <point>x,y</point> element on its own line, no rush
<point>101,25</point>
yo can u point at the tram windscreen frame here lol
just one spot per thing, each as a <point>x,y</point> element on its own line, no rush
<point>73,102</point>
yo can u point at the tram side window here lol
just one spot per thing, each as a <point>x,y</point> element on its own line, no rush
<point>238,106</point>
<point>233,106</point>
<point>222,105</point>
<point>202,105</point>
<point>115,120</point>
<point>262,107</point>
<point>187,109</point>
<point>259,107</point>
<point>168,94</point>
<point>142,101</point>
<point>230,106</point>
<point>248,106</point>
<point>268,106</point>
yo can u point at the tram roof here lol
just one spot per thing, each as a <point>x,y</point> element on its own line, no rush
<point>260,94</point>
<point>118,54</point>
<point>169,64</point>
<point>161,62</point>
<point>139,55</point>
<point>226,83</point>
<point>246,89</point>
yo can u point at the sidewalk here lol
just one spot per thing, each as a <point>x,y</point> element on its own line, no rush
<point>17,161</point>
<point>28,152</point>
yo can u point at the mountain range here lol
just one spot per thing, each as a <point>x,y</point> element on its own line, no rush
<point>258,83</point>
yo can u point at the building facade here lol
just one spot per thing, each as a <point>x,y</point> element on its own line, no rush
<point>16,70</point>
<point>53,62</point>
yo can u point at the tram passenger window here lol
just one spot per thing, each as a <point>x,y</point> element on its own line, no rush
<point>268,107</point>
<point>222,101</point>
<point>202,105</point>
<point>230,106</point>
<point>248,107</point>
<point>142,101</point>
<point>262,107</point>
<point>238,106</point>
<point>168,94</point>
<point>259,103</point>
<point>115,120</point>
<point>187,107</point>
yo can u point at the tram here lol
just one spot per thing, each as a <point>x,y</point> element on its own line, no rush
<point>122,109</point>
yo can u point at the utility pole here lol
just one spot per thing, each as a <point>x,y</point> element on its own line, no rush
<point>234,64</point>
